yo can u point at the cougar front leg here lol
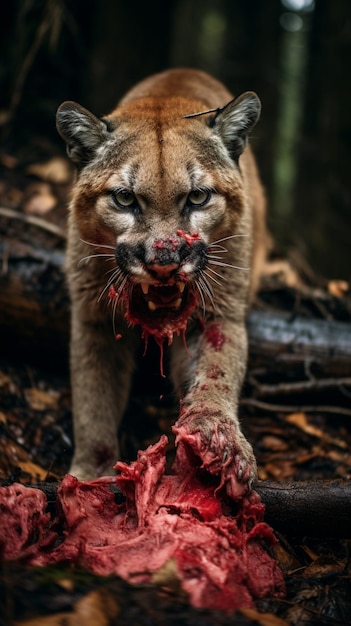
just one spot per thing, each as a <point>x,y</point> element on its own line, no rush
<point>208,423</point>
<point>101,369</point>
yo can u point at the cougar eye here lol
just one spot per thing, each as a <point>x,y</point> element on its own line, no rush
<point>198,197</point>
<point>125,199</point>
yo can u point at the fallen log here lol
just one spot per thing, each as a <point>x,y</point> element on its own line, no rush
<point>289,356</point>
<point>320,347</point>
<point>307,508</point>
<point>33,297</point>
<point>320,508</point>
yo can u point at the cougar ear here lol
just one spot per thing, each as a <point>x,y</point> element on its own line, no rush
<point>235,120</point>
<point>82,131</point>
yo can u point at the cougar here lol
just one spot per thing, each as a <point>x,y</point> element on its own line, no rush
<point>166,237</point>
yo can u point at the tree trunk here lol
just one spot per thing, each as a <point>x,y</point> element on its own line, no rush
<point>324,151</point>
<point>130,40</point>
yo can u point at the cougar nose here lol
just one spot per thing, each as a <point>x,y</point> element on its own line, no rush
<point>163,271</point>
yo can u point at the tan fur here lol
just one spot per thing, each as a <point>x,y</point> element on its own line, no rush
<point>146,147</point>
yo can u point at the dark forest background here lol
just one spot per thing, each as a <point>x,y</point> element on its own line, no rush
<point>296,54</point>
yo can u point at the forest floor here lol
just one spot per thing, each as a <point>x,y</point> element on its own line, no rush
<point>302,444</point>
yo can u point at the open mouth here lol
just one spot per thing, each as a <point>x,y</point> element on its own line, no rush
<point>161,310</point>
<point>163,297</point>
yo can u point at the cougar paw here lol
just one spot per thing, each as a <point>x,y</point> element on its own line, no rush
<point>223,451</point>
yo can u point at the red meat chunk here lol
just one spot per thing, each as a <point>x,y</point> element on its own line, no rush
<point>221,559</point>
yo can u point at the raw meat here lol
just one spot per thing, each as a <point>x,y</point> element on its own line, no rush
<point>24,523</point>
<point>217,547</point>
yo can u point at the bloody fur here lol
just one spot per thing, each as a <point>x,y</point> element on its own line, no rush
<point>160,328</point>
<point>167,258</point>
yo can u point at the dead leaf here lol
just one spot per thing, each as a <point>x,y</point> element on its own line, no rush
<point>312,555</point>
<point>41,201</point>
<point>322,567</point>
<point>300,420</point>
<point>273,470</point>
<point>308,456</point>
<point>262,473</point>
<point>280,470</point>
<point>9,161</point>
<point>96,608</point>
<point>5,116</point>
<point>66,583</point>
<point>264,619</point>
<point>56,170</point>
<point>34,470</point>
<point>284,270</point>
<point>41,400</point>
<point>338,288</point>
<point>4,379</point>
<point>13,198</point>
<point>286,559</point>
<point>270,442</point>
<point>339,457</point>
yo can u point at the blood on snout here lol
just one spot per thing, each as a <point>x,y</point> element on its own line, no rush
<point>170,243</point>
<point>189,238</point>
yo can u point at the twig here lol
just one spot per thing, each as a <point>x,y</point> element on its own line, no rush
<point>299,387</point>
<point>289,408</point>
<point>34,221</point>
